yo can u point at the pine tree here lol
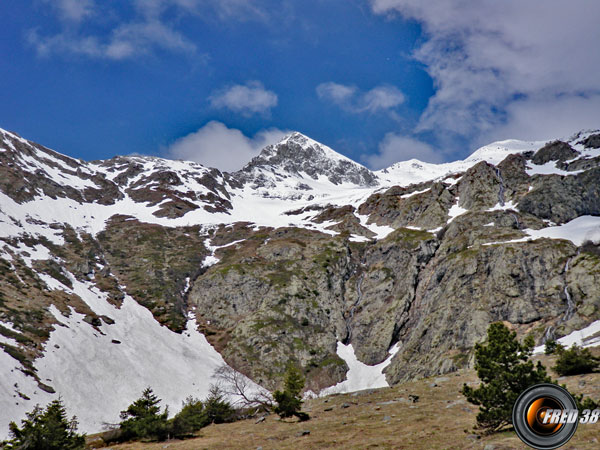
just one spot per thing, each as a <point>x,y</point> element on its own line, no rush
<point>217,408</point>
<point>46,429</point>
<point>143,419</point>
<point>575,361</point>
<point>503,366</point>
<point>191,418</point>
<point>289,401</point>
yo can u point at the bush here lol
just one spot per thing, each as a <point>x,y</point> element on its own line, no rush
<point>575,361</point>
<point>289,402</point>
<point>46,429</point>
<point>217,409</point>
<point>552,347</point>
<point>190,419</point>
<point>143,419</point>
<point>585,403</point>
<point>503,366</point>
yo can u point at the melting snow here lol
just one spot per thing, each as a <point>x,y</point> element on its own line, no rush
<point>455,211</point>
<point>360,376</point>
<point>586,337</point>
<point>111,365</point>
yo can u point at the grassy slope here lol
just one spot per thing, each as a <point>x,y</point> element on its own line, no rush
<point>383,418</point>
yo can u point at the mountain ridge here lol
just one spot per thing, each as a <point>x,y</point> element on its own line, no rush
<point>408,271</point>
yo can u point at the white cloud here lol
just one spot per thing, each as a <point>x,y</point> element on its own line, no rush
<point>394,148</point>
<point>247,99</point>
<point>335,92</point>
<point>147,31</point>
<point>227,149</point>
<point>349,98</point>
<point>555,118</point>
<point>72,10</point>
<point>126,41</point>
<point>516,66</point>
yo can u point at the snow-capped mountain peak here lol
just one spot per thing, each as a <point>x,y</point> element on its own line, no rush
<point>301,157</point>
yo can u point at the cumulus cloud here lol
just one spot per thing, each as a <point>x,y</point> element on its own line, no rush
<point>248,99</point>
<point>350,98</point>
<point>517,66</point>
<point>395,147</point>
<point>147,31</point>
<point>227,149</point>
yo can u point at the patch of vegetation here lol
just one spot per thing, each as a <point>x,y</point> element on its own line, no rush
<point>574,361</point>
<point>46,429</point>
<point>190,419</point>
<point>412,238</point>
<point>22,357</point>
<point>54,269</point>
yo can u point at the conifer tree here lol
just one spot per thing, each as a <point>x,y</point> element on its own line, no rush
<point>504,368</point>
<point>575,361</point>
<point>143,419</point>
<point>46,429</point>
<point>289,401</point>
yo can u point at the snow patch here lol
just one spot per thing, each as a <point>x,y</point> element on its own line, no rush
<point>548,168</point>
<point>381,231</point>
<point>583,338</point>
<point>455,211</point>
<point>360,376</point>
<point>499,207</point>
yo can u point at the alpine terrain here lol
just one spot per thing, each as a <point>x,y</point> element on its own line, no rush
<point>139,271</point>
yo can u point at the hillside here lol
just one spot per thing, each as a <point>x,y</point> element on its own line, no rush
<point>137,271</point>
<point>383,418</point>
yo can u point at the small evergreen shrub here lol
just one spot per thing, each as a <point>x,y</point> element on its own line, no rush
<point>143,419</point>
<point>46,429</point>
<point>575,361</point>
<point>552,347</point>
<point>289,402</point>
<point>190,419</point>
<point>217,408</point>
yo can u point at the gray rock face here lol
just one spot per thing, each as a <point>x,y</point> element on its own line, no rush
<point>425,205</point>
<point>460,293</point>
<point>563,198</point>
<point>480,187</point>
<point>592,141</point>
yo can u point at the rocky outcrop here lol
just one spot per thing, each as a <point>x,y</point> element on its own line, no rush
<point>563,198</point>
<point>592,141</point>
<point>276,297</point>
<point>425,205</point>
<point>554,151</point>
<point>459,294</point>
<point>480,187</point>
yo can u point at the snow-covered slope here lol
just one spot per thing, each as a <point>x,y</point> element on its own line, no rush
<point>405,173</point>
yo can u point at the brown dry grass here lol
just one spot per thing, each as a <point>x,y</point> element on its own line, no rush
<point>382,418</point>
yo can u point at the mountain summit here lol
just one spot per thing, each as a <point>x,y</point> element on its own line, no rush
<point>300,156</point>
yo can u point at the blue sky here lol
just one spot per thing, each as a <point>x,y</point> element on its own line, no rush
<point>215,80</point>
